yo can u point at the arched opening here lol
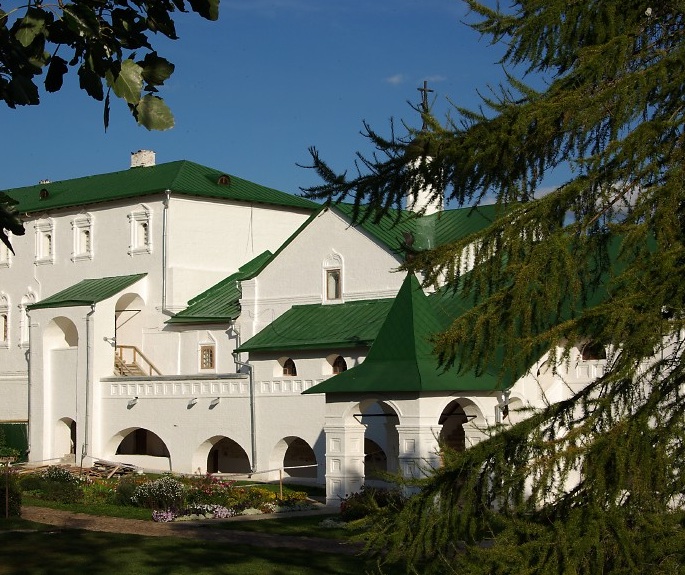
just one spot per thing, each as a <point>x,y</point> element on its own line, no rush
<point>375,460</point>
<point>297,458</point>
<point>65,439</point>
<point>129,324</point>
<point>141,441</point>
<point>452,419</point>
<point>60,333</point>
<point>339,365</point>
<point>381,438</point>
<point>226,456</point>
<point>593,350</point>
<point>289,368</point>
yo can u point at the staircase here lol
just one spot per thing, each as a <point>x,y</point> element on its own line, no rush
<point>123,369</point>
<point>127,362</point>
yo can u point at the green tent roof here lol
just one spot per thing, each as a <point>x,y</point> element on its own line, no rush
<point>318,326</point>
<point>221,302</point>
<point>180,177</point>
<point>88,292</point>
<point>401,358</point>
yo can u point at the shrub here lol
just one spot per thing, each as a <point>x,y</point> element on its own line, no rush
<point>125,489</point>
<point>209,490</point>
<point>163,493</point>
<point>14,491</point>
<point>99,491</point>
<point>256,497</point>
<point>55,484</point>
<point>369,501</point>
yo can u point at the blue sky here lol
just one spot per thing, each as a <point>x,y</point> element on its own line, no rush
<point>254,90</point>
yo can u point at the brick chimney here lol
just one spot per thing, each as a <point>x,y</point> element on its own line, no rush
<point>142,159</point>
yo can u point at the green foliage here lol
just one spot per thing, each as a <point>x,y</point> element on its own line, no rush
<point>125,489</point>
<point>369,501</point>
<point>9,220</point>
<point>9,490</point>
<point>100,40</point>
<point>593,484</point>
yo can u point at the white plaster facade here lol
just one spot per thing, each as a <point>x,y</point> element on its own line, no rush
<point>238,415</point>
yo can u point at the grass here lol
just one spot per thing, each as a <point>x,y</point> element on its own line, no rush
<point>294,526</point>
<point>105,509</point>
<point>64,552</point>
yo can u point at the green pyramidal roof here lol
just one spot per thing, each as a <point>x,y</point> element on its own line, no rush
<point>88,292</point>
<point>180,177</point>
<point>401,358</point>
<point>221,302</point>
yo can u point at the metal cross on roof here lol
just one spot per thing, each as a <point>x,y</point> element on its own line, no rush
<point>424,100</point>
<point>424,95</point>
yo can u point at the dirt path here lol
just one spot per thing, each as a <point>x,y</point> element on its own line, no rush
<point>190,530</point>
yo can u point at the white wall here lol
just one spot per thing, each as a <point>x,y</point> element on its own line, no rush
<point>297,275</point>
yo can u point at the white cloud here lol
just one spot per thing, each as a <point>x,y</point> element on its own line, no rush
<point>396,79</point>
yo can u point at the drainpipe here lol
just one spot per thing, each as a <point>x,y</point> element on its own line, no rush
<point>28,371</point>
<point>86,434</point>
<point>164,251</point>
<point>253,419</point>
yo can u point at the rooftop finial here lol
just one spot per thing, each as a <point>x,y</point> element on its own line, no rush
<point>424,100</point>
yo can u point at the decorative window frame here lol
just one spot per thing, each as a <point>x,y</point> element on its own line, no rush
<point>141,233</point>
<point>5,254</point>
<point>82,231</point>
<point>26,301</point>
<point>207,357</point>
<point>332,268</point>
<point>45,242</point>
<point>4,321</point>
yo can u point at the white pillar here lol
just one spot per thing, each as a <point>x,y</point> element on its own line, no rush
<point>344,460</point>
<point>418,447</point>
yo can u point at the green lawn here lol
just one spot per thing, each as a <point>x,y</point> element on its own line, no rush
<point>57,552</point>
<point>109,510</point>
<point>295,526</point>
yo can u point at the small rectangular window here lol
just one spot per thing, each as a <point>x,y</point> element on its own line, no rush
<point>333,287</point>
<point>207,357</point>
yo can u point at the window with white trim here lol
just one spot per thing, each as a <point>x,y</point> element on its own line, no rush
<point>26,301</point>
<point>45,242</point>
<point>333,278</point>
<point>4,321</point>
<point>82,227</point>
<point>5,254</point>
<point>207,356</point>
<point>141,242</point>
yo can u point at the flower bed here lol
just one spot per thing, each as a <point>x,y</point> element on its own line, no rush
<point>169,498</point>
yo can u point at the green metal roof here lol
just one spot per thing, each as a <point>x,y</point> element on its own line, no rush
<point>318,326</point>
<point>88,292</point>
<point>401,358</point>
<point>180,177</point>
<point>427,231</point>
<point>221,302</point>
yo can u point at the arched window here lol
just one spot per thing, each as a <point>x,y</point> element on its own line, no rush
<point>289,367</point>
<point>593,351</point>
<point>339,365</point>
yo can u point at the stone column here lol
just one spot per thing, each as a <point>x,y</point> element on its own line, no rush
<point>418,447</point>
<point>344,461</point>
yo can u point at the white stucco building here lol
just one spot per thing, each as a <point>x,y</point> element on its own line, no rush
<point>179,318</point>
